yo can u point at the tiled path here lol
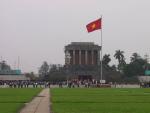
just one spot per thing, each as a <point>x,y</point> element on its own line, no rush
<point>40,104</point>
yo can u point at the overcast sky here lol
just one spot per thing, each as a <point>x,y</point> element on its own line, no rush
<point>38,30</point>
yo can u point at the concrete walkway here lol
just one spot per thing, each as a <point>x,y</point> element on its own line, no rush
<point>40,104</point>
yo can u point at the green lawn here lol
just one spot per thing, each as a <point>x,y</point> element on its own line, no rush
<point>12,99</point>
<point>100,100</point>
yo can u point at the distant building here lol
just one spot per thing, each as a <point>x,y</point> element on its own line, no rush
<point>6,73</point>
<point>6,69</point>
<point>84,57</point>
<point>13,77</point>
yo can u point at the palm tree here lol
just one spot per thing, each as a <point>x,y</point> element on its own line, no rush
<point>121,59</point>
<point>134,57</point>
<point>119,56</point>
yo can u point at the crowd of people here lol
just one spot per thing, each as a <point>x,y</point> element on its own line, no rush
<point>46,84</point>
<point>64,84</point>
<point>24,84</point>
<point>83,83</point>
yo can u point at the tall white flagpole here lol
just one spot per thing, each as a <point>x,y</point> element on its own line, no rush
<point>101,56</point>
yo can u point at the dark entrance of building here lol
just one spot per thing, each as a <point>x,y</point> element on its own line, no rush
<point>85,77</point>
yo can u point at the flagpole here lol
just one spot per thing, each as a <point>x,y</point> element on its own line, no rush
<point>96,25</point>
<point>101,56</point>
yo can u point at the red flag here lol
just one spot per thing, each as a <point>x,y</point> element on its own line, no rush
<point>95,25</point>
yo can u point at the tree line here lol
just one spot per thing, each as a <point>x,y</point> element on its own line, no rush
<point>122,72</point>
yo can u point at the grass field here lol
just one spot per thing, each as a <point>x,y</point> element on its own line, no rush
<point>100,100</point>
<point>12,99</point>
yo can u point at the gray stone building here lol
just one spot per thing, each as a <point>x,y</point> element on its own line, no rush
<point>82,59</point>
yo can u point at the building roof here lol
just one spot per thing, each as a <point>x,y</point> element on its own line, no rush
<point>82,46</point>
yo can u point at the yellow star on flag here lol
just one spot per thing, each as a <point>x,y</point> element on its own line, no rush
<point>93,26</point>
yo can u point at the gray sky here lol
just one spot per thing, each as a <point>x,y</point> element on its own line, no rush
<point>38,30</point>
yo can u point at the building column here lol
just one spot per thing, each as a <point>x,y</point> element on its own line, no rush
<point>80,57</point>
<point>66,59</point>
<point>98,57</point>
<point>92,57</point>
<point>74,57</point>
<point>86,57</point>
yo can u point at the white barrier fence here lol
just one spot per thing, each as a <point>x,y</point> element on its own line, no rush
<point>126,86</point>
